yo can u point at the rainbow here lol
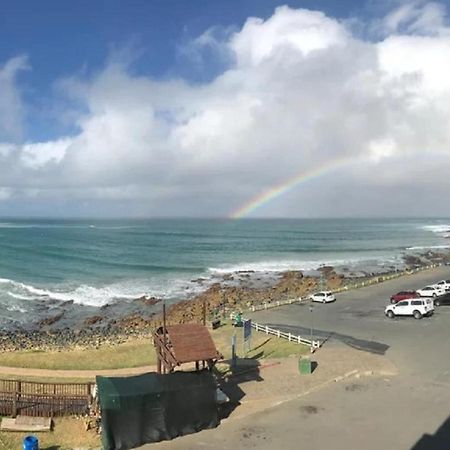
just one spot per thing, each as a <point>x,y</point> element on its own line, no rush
<point>286,186</point>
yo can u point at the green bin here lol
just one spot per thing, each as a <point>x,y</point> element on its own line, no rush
<point>305,366</point>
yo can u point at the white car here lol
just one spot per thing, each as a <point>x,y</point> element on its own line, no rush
<point>416,307</point>
<point>323,297</point>
<point>431,291</point>
<point>444,284</point>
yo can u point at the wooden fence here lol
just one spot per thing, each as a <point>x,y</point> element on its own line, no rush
<point>289,336</point>
<point>27,398</point>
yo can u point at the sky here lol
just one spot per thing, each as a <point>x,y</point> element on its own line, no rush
<point>249,108</point>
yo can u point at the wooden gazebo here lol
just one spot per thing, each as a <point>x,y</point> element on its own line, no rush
<point>184,343</point>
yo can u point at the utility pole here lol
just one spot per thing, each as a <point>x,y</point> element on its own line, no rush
<point>311,310</point>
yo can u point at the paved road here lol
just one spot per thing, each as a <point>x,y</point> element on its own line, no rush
<point>410,411</point>
<point>357,319</point>
<point>370,414</point>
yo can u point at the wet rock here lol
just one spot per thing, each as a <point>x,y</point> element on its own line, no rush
<point>92,320</point>
<point>148,301</point>
<point>51,320</point>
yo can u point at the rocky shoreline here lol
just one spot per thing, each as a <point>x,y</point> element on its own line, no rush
<point>106,326</point>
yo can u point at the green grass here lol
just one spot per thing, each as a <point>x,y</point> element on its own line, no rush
<point>130,354</point>
<point>137,353</point>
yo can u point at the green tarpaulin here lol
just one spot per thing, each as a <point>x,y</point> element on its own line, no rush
<point>152,407</point>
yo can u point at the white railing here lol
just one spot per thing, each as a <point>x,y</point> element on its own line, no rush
<point>289,336</point>
<point>274,304</point>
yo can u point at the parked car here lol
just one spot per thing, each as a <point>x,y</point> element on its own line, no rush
<point>403,295</point>
<point>430,291</point>
<point>443,300</point>
<point>416,307</point>
<point>323,297</point>
<point>444,284</point>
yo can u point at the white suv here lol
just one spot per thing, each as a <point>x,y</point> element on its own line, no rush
<point>323,297</point>
<point>431,291</point>
<point>417,307</point>
<point>444,284</point>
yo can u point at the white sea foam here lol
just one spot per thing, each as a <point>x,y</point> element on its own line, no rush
<point>443,228</point>
<point>427,247</point>
<point>99,296</point>
<point>16,308</point>
<point>286,265</point>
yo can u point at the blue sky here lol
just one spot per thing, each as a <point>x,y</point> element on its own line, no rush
<point>199,108</point>
<point>63,38</point>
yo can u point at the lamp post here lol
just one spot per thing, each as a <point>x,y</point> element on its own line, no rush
<point>311,309</point>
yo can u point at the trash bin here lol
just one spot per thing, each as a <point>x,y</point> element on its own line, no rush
<point>305,366</point>
<point>31,443</point>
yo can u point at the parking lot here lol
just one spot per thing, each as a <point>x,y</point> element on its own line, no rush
<point>407,411</point>
<point>357,319</point>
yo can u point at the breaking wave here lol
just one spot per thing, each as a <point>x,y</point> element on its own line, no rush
<point>286,265</point>
<point>427,247</point>
<point>444,228</point>
<point>98,296</point>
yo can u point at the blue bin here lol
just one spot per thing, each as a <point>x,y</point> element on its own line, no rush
<point>31,443</point>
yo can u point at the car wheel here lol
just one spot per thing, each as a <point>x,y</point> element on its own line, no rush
<point>437,303</point>
<point>390,314</point>
<point>324,301</point>
<point>417,315</point>
<point>392,301</point>
<point>434,294</point>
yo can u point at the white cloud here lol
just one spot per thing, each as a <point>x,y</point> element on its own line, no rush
<point>416,17</point>
<point>38,155</point>
<point>300,92</point>
<point>11,107</point>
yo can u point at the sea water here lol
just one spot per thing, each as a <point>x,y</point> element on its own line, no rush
<point>98,262</point>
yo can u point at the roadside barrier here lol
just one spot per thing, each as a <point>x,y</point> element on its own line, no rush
<point>268,305</point>
<point>291,337</point>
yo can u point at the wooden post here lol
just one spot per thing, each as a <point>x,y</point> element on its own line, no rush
<point>158,369</point>
<point>164,322</point>
<point>204,311</point>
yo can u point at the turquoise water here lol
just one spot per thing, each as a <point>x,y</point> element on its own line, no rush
<point>94,262</point>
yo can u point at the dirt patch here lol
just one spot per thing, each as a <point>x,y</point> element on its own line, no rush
<point>354,387</point>
<point>310,409</point>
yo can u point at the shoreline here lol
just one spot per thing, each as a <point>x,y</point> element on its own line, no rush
<point>220,299</point>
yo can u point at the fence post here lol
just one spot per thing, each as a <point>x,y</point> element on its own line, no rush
<point>298,339</point>
<point>17,391</point>
<point>289,337</point>
<point>267,329</point>
<point>278,333</point>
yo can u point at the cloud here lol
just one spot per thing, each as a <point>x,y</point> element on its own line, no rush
<point>11,107</point>
<point>299,91</point>
<point>416,17</point>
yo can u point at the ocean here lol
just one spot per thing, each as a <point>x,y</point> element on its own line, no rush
<point>96,262</point>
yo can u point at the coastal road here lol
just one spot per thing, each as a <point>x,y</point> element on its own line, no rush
<point>357,319</point>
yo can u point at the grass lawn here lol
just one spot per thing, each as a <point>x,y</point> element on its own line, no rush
<point>136,353</point>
